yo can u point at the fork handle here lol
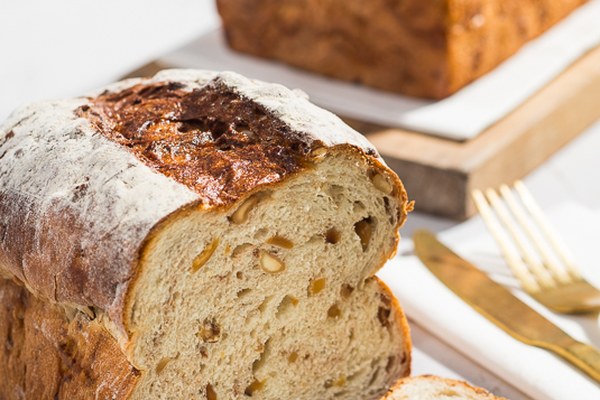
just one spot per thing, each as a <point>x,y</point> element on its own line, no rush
<point>583,356</point>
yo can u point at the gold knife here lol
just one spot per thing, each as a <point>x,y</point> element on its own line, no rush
<point>500,306</point>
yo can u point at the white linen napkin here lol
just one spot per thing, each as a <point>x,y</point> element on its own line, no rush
<point>537,372</point>
<point>461,116</point>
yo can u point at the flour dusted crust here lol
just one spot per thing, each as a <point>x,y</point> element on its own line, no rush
<point>107,200</point>
<point>65,233</point>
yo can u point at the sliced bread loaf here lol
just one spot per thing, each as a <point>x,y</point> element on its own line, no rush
<point>429,387</point>
<point>219,234</point>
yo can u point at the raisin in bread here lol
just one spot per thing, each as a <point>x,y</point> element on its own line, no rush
<point>415,47</point>
<point>429,387</point>
<point>195,235</point>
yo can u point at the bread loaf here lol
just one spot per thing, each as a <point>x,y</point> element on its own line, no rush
<point>195,235</point>
<point>429,387</point>
<point>420,48</point>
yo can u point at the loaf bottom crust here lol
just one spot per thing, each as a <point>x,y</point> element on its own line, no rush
<point>49,352</point>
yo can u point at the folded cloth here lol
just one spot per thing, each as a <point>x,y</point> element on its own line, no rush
<point>536,372</point>
<point>462,116</point>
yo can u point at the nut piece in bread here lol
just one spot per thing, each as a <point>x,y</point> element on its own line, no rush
<point>191,214</point>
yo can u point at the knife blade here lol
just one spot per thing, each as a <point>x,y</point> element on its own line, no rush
<point>500,306</point>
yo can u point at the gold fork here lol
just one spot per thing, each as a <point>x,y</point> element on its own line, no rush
<point>550,276</point>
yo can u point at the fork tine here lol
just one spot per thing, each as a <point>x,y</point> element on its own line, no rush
<point>514,261</point>
<point>534,236</point>
<point>542,275</point>
<point>551,235</point>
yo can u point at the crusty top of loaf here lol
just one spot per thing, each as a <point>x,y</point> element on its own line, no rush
<point>84,181</point>
<point>209,137</point>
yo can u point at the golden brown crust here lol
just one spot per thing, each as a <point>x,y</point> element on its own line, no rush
<point>482,34</point>
<point>46,355</point>
<point>415,47</point>
<point>211,140</point>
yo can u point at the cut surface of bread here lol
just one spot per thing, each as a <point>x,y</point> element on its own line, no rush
<point>221,236</point>
<point>429,387</point>
<point>291,308</point>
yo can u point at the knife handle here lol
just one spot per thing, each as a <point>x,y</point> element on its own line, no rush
<point>583,356</point>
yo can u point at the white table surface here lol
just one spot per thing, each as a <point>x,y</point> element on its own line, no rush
<point>66,47</point>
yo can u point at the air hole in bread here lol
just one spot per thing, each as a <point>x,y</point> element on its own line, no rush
<point>358,207</point>
<point>346,290</point>
<point>209,331</point>
<point>390,364</point>
<point>384,310</point>
<point>404,358</point>
<point>383,314</point>
<point>204,255</point>
<point>355,375</point>
<point>338,382</point>
<point>239,250</point>
<point>374,376</point>
<point>316,286</point>
<point>203,351</point>
<point>280,241</point>
<point>364,230</point>
<point>175,296</point>
<point>390,211</point>
<point>254,387</point>
<point>334,312</point>
<point>332,236</point>
<point>336,193</point>
<point>315,239</point>
<point>162,364</point>
<point>264,304</point>
<point>239,275</point>
<point>260,361</point>
<point>210,392</point>
<point>243,292</point>
<point>285,305</point>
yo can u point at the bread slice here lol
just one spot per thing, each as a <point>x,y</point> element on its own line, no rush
<point>223,232</point>
<point>429,387</point>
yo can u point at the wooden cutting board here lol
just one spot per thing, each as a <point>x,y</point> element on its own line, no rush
<point>439,174</point>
